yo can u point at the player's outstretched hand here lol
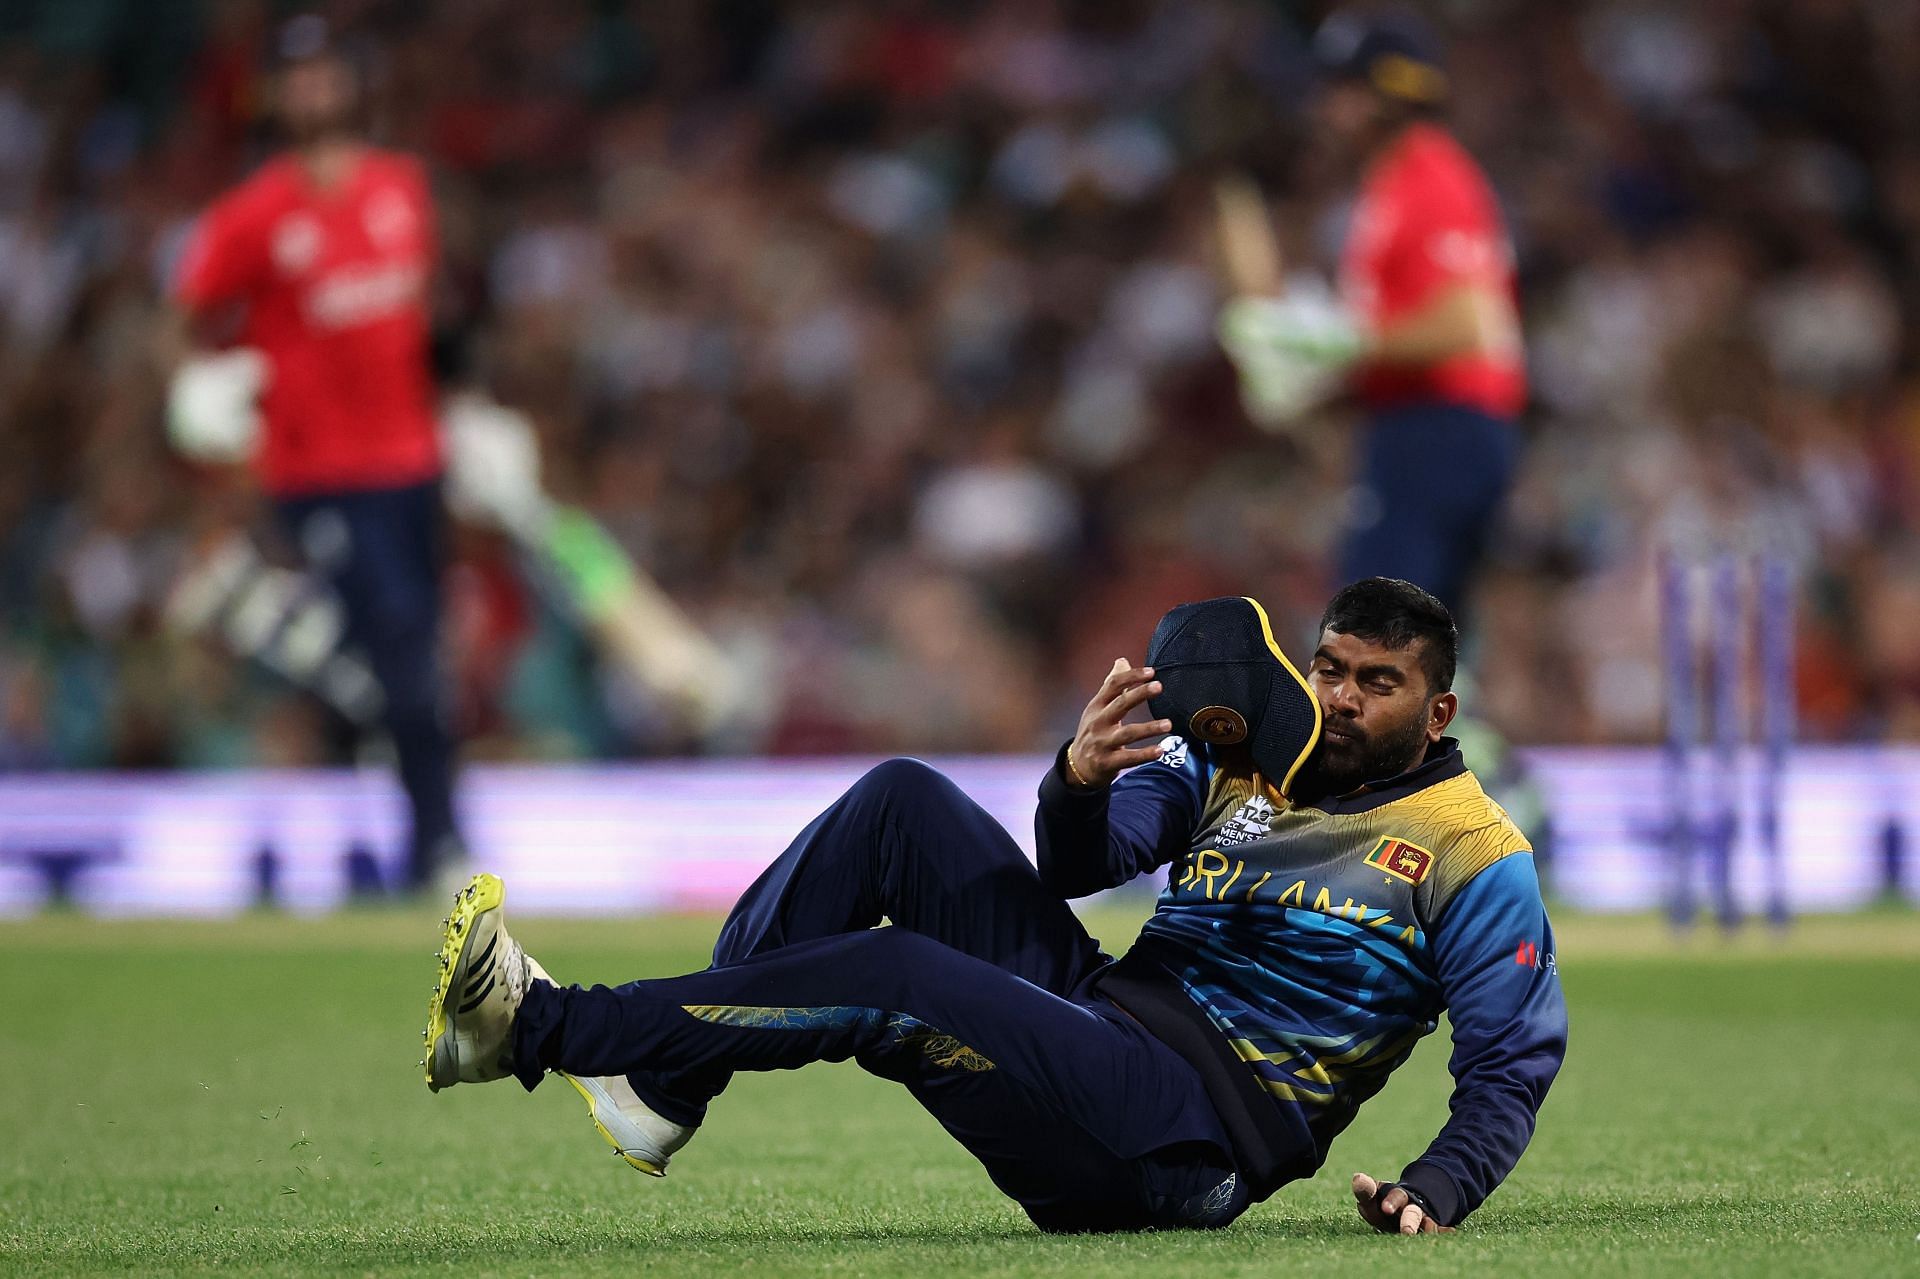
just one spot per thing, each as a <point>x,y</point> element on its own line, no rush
<point>1104,746</point>
<point>1393,1213</point>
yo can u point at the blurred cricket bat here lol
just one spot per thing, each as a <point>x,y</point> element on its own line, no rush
<point>1248,247</point>
<point>493,479</point>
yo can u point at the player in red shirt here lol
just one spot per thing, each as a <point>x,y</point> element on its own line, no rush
<point>1425,330</point>
<point>323,258</point>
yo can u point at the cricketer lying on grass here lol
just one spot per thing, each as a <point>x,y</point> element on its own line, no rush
<point>1338,880</point>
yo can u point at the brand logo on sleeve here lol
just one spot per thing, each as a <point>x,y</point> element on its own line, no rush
<point>1529,955</point>
<point>1404,861</point>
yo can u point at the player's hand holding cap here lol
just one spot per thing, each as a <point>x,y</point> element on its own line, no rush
<point>1225,682</point>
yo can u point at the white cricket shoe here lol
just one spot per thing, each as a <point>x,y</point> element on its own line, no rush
<point>637,1134</point>
<point>483,977</point>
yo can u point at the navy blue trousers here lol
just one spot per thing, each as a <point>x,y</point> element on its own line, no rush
<point>1433,478</point>
<point>382,552</point>
<point>974,999</point>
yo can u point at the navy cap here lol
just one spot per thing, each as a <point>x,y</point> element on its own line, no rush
<point>303,37</point>
<point>1224,681</point>
<point>1394,51</point>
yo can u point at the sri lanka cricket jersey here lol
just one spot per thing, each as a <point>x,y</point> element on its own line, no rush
<point>1299,952</point>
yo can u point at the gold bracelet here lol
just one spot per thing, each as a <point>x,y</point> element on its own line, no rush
<point>1073,772</point>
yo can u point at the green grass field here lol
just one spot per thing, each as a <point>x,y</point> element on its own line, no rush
<point>243,1097</point>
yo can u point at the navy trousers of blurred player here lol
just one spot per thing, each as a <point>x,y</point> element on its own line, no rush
<point>382,551</point>
<point>1434,478</point>
<point>974,999</point>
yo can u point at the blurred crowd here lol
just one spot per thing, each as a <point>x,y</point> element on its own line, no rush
<point>883,334</point>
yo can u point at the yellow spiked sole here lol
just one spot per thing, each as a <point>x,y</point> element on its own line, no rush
<point>482,893</point>
<point>593,1111</point>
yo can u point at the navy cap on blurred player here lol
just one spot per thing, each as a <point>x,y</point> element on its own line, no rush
<point>1393,51</point>
<point>303,36</point>
<point>317,82</point>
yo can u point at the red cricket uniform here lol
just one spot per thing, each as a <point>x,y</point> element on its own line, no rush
<point>334,284</point>
<point>1426,218</point>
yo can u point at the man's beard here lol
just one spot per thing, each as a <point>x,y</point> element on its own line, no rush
<point>1338,766</point>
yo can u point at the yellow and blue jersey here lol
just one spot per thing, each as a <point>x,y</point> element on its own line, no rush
<point>1318,943</point>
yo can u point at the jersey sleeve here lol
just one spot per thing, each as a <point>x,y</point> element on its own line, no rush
<point>1090,840</point>
<point>1500,979</point>
<point>224,259</point>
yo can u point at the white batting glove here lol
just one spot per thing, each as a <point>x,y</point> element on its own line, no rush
<point>213,405</point>
<point>493,465</point>
<point>1292,352</point>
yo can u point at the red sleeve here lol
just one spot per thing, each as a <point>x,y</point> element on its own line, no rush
<point>1448,235</point>
<point>225,257</point>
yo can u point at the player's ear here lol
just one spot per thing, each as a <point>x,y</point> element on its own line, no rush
<point>1440,713</point>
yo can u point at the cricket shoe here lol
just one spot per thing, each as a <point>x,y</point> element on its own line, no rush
<point>483,977</point>
<point>637,1134</point>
